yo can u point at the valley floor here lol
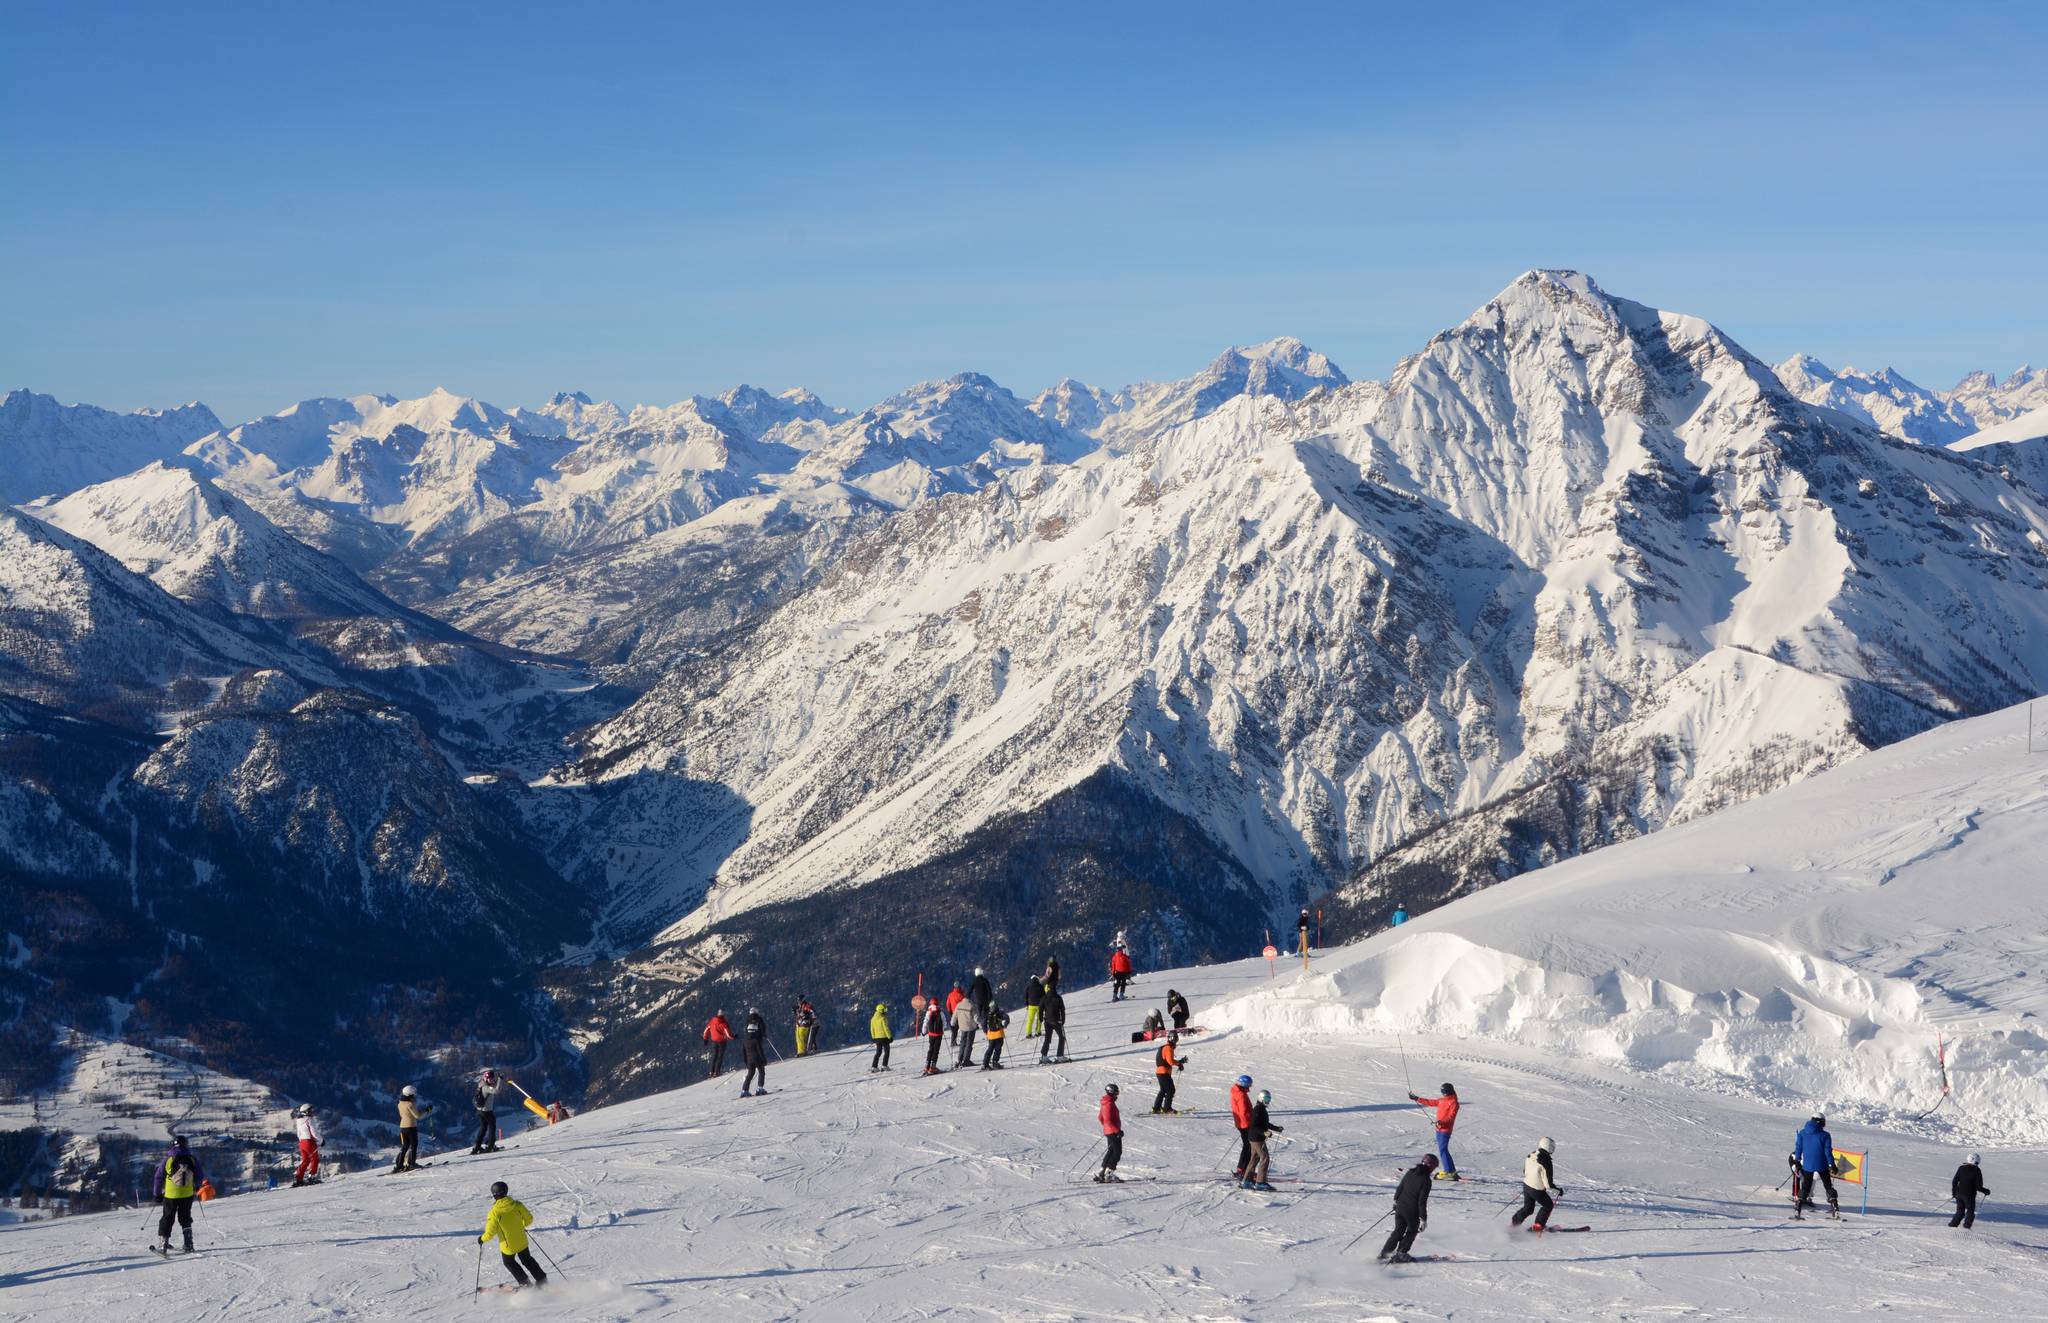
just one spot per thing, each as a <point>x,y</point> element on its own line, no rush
<point>846,1196</point>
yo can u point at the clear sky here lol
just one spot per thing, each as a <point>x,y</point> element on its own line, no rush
<point>253,204</point>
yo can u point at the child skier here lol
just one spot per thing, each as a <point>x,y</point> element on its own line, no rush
<point>1262,1160</point>
<point>1411,1211</point>
<point>177,1183</point>
<point>995,1030</point>
<point>508,1221</point>
<point>1165,1062</point>
<point>1113,1130</point>
<point>934,1036</point>
<point>879,1031</point>
<point>1539,1186</point>
<point>310,1139</point>
<point>1964,1187</point>
<point>1813,1154</point>
<point>409,1114</point>
<point>1446,1119</point>
<point>717,1032</point>
<point>485,1100</point>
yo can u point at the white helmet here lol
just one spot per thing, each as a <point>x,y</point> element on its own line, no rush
<point>408,1092</point>
<point>1546,1145</point>
<point>977,971</point>
<point>1976,1159</point>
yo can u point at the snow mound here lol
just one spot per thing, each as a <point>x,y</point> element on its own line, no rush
<point>1817,943</point>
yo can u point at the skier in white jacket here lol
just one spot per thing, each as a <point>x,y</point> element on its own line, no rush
<point>1539,1185</point>
<point>310,1139</point>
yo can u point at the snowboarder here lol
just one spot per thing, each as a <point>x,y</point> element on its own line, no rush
<point>177,1183</point>
<point>806,1026</point>
<point>1034,993</point>
<point>754,1051</point>
<point>1113,1131</point>
<point>1119,973</point>
<point>1052,974</point>
<point>963,1033</point>
<point>486,1102</point>
<point>1446,1119</point>
<point>997,1027</point>
<point>953,1000</point>
<point>717,1032</point>
<point>1964,1187</point>
<point>879,1031</point>
<point>983,994</point>
<point>1241,1117</point>
<point>1154,1025</point>
<point>409,1114</point>
<point>1054,1009</point>
<point>1813,1154</point>
<point>935,1036</point>
<point>1540,1190</point>
<point>1165,1062</point>
<point>1177,1009</point>
<point>508,1221</point>
<point>1262,1160</point>
<point>310,1139</point>
<point>1411,1211</point>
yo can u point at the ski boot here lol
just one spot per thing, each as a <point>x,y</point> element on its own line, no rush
<point>188,1244</point>
<point>746,1093</point>
<point>1263,1187</point>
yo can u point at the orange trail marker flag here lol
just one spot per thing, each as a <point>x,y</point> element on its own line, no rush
<point>1854,1169</point>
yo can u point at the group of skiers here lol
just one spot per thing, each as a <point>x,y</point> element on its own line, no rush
<point>754,1046</point>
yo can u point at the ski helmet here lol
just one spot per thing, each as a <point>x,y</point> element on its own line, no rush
<point>1976,1159</point>
<point>1449,1089</point>
<point>178,1141</point>
<point>499,1189</point>
<point>1173,1035</point>
<point>408,1092</point>
<point>1244,1081</point>
<point>1429,1160</point>
<point>1111,1090</point>
<point>977,971</point>
<point>1546,1145</point>
<point>1265,1095</point>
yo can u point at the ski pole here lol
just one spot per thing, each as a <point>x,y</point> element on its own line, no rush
<point>772,1048</point>
<point>479,1290</point>
<point>1084,1157</point>
<point>549,1257</point>
<point>1368,1231</point>
<point>1405,1077</point>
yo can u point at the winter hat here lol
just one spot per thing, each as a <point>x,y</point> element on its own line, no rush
<point>1265,1095</point>
<point>1429,1159</point>
<point>408,1092</point>
<point>1976,1159</point>
<point>499,1189</point>
<point>1546,1145</point>
<point>1244,1081</point>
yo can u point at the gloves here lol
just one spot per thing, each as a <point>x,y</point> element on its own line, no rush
<point>1557,1192</point>
<point>1833,1170</point>
<point>1413,1098</point>
<point>1276,1129</point>
<point>1423,1225</point>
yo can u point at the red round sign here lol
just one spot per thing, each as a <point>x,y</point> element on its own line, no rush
<point>1272,953</point>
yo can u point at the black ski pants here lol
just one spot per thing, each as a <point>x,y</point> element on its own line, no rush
<point>1114,1153</point>
<point>1534,1201</point>
<point>1966,1211</point>
<point>1805,1187</point>
<point>992,1057</point>
<point>408,1148</point>
<point>1045,1047</point>
<point>1166,1091</point>
<point>1244,1151</point>
<point>1180,1019</point>
<point>1402,1238</point>
<point>486,1130</point>
<point>178,1210</point>
<point>931,1053</point>
<point>718,1057</point>
<point>755,1070</point>
<point>1117,992</point>
<point>525,1256</point>
<point>881,1054</point>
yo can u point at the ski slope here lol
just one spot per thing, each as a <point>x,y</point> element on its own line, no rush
<point>1871,890</point>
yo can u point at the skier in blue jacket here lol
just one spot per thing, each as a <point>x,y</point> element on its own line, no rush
<point>1813,1154</point>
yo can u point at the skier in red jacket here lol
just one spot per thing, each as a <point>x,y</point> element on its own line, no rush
<point>1446,1118</point>
<point>718,1033</point>
<point>1113,1129</point>
<point>1241,1116</point>
<point>1119,971</point>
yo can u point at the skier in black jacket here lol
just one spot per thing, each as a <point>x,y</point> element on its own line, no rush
<point>1411,1211</point>
<point>1054,1009</point>
<point>1034,997</point>
<point>1965,1186</point>
<point>755,1052</point>
<point>981,994</point>
<point>1177,1007</point>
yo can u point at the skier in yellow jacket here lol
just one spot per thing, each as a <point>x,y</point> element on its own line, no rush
<point>882,1034</point>
<point>508,1222</point>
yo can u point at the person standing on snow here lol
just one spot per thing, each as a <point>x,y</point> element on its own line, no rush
<point>409,1114</point>
<point>934,1034</point>
<point>1177,1009</point>
<point>1165,1062</point>
<point>953,1000</point>
<point>717,1032</point>
<point>1302,926</point>
<point>963,1033</point>
<point>1034,993</point>
<point>1052,974</point>
<point>508,1220</point>
<point>177,1183</point>
<point>1262,1160</point>
<point>1112,1130</point>
<point>879,1031</point>
<point>982,993</point>
<point>1813,1154</point>
<point>310,1139</point>
<point>1411,1212</point>
<point>806,1026</point>
<point>1054,1010</point>
<point>1120,969</point>
<point>995,1030</point>
<point>486,1102</point>
<point>1241,1116</point>
<point>1964,1187</point>
<point>1539,1186</point>
<point>1446,1120</point>
<point>754,1051</point>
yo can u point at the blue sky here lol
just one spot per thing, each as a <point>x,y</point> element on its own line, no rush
<point>252,204</point>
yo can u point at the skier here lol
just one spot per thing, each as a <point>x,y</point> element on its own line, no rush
<point>982,993</point>
<point>1411,1211</point>
<point>1540,1190</point>
<point>1241,1116</point>
<point>1052,974</point>
<point>1302,926</point>
<point>806,1026</point>
<point>508,1221</point>
<point>1034,993</point>
<point>1262,1160</point>
<point>1813,1154</point>
<point>409,1114</point>
<point>1164,1063</point>
<point>1119,973</point>
<point>1177,1008</point>
<point>717,1032</point>
<point>1964,1187</point>
<point>755,1053</point>
<point>1154,1025</point>
<point>1446,1119</point>
<point>1113,1131</point>
<point>935,1036</point>
<point>953,1000</point>
<point>963,1033</point>
<point>1054,1009</point>
<point>878,1029</point>
<point>310,1139</point>
<point>486,1102</point>
<point>176,1184</point>
<point>995,1030</point>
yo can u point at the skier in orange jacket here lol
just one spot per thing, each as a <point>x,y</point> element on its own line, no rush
<point>1446,1119</point>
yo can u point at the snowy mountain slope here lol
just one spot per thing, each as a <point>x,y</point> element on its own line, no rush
<point>2029,426</point>
<point>878,1198</point>
<point>49,449</point>
<point>1882,399</point>
<point>1990,401</point>
<point>1809,943</point>
<point>1283,368</point>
